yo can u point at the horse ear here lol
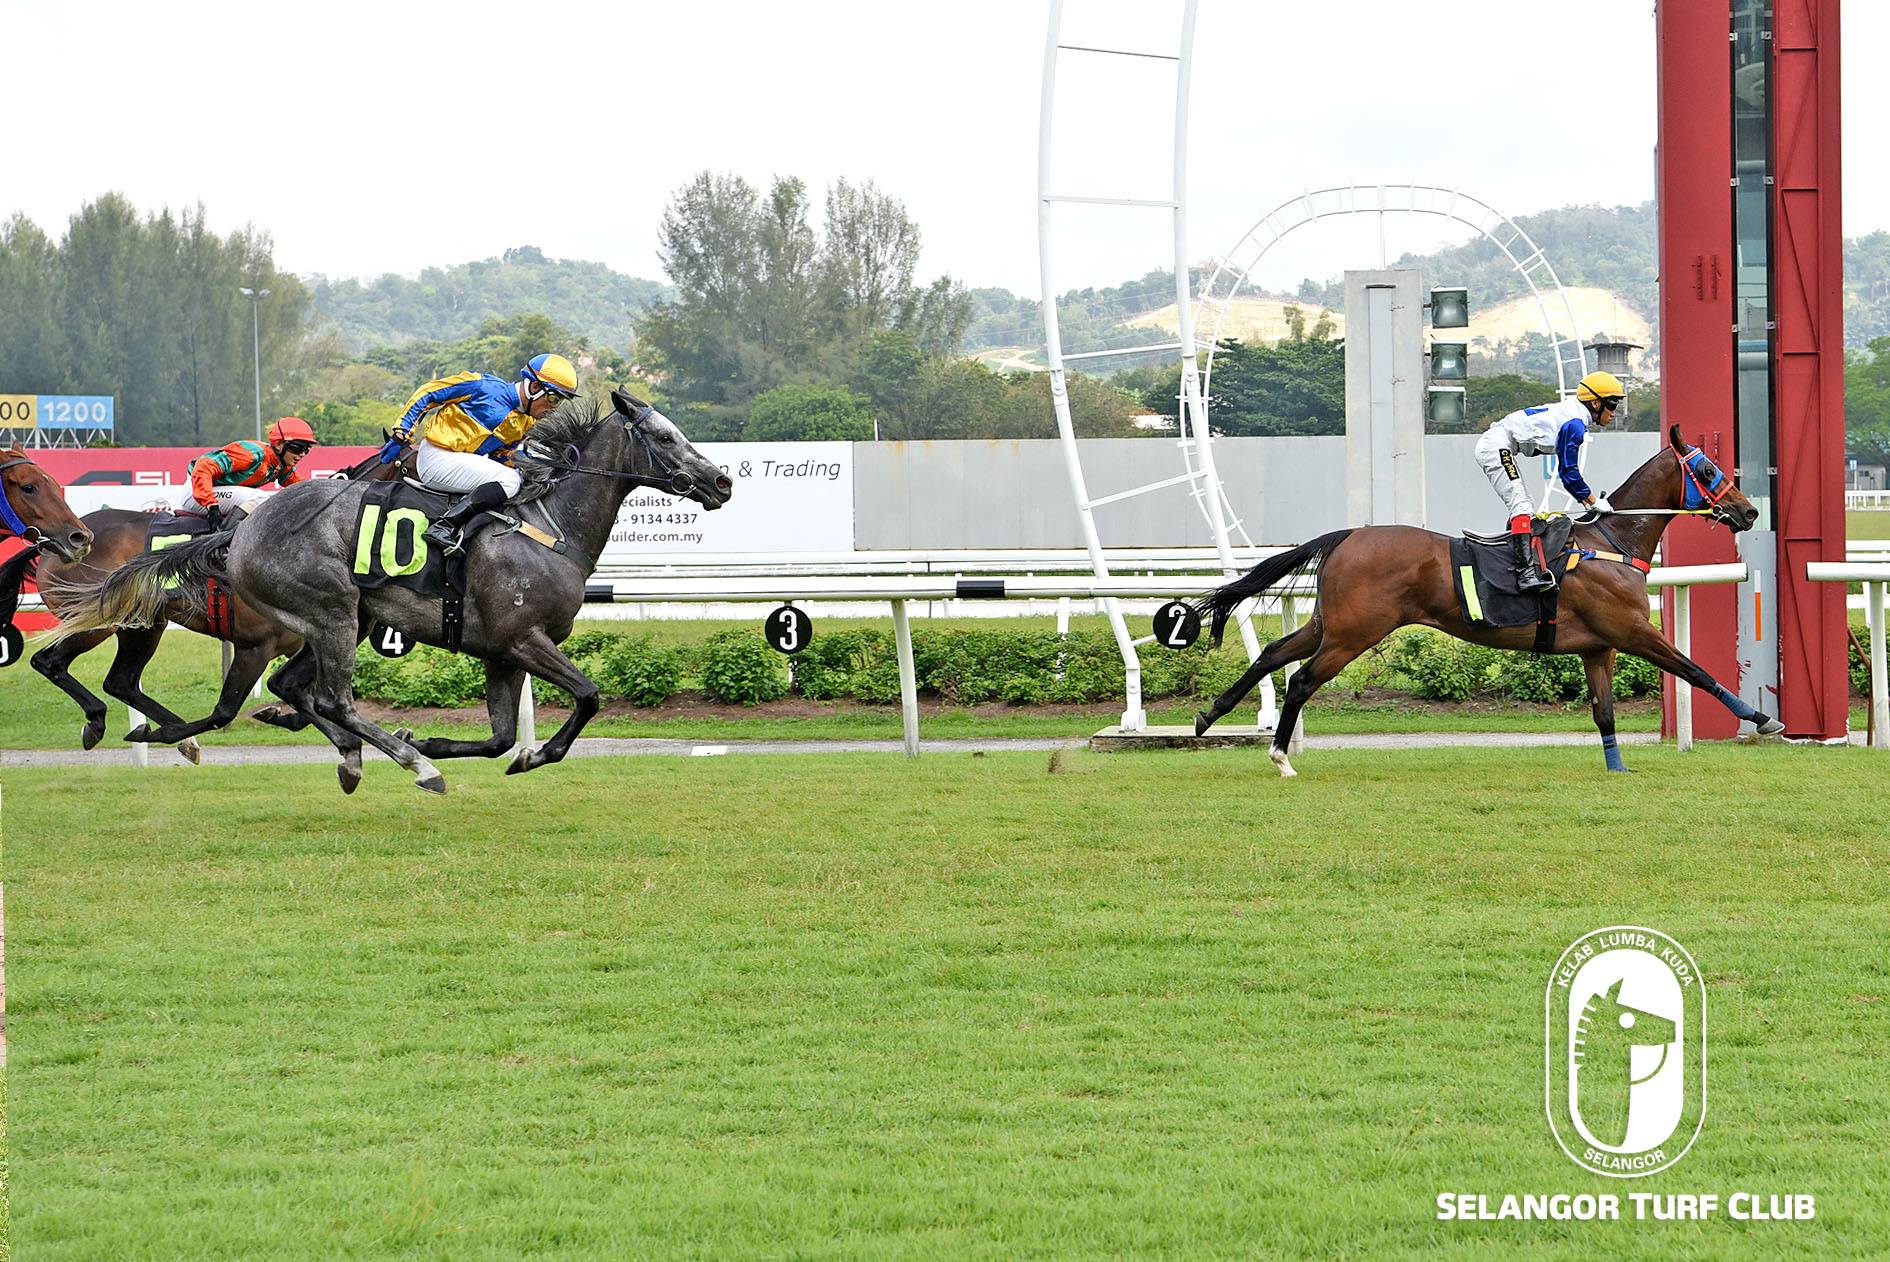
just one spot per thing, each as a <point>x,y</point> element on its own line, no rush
<point>1673,437</point>
<point>628,404</point>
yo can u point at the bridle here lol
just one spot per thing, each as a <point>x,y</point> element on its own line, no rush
<point>8,517</point>
<point>1698,498</point>
<point>1696,493</point>
<point>675,479</point>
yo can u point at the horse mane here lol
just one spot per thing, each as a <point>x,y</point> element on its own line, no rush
<point>573,421</point>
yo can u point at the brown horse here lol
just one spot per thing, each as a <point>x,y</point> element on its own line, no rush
<point>120,536</point>
<point>1375,579</point>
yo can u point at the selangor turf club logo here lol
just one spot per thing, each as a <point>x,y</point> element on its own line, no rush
<point>1625,1074</point>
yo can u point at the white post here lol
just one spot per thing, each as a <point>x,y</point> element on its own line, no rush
<point>140,752</point>
<point>1682,690</point>
<point>229,652</point>
<point>1879,686</point>
<point>527,716</point>
<point>908,678</point>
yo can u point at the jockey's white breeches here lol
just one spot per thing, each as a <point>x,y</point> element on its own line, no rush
<point>458,471</point>
<point>1504,474</point>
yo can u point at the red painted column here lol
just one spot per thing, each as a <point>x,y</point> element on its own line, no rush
<point>1692,191</point>
<point>1808,365</point>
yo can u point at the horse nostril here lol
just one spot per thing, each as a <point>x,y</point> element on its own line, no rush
<point>723,484</point>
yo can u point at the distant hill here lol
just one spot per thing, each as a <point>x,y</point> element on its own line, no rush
<point>448,303</point>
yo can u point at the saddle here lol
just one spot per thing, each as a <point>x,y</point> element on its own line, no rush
<point>167,530</point>
<point>389,548</point>
<point>1483,572</point>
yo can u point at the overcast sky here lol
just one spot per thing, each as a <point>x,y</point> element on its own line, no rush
<point>391,136</point>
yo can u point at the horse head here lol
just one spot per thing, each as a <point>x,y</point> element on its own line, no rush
<point>660,456</point>
<point>33,507</point>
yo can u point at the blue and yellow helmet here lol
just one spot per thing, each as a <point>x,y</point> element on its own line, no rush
<point>551,372</point>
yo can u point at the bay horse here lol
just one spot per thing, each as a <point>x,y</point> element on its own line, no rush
<point>119,535</point>
<point>1374,579</point>
<point>293,562</point>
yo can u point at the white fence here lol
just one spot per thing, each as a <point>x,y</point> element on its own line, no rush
<point>1867,499</point>
<point>1873,575</point>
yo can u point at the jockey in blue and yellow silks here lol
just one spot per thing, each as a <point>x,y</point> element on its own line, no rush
<point>473,423</point>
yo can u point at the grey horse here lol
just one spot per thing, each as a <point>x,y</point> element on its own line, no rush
<point>294,557</point>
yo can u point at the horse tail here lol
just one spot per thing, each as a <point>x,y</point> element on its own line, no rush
<point>146,590</point>
<point>1222,601</point>
<point>13,575</point>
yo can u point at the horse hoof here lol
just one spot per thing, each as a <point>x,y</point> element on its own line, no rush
<point>404,734</point>
<point>1280,760</point>
<point>91,734</point>
<point>1202,722</point>
<point>191,752</point>
<point>435,783</point>
<point>1771,727</point>
<point>521,761</point>
<point>350,777</point>
<point>139,735</point>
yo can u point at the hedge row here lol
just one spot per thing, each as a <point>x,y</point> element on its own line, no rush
<point>966,667</point>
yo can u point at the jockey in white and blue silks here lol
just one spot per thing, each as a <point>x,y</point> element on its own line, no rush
<point>1557,428</point>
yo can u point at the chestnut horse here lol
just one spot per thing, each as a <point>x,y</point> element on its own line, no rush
<point>1375,579</point>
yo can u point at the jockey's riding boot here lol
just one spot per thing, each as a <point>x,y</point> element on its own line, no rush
<point>447,529</point>
<point>1530,576</point>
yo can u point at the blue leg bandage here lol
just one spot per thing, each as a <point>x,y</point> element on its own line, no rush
<point>1733,703</point>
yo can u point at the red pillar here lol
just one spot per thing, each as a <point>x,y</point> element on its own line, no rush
<point>1808,365</point>
<point>1693,169</point>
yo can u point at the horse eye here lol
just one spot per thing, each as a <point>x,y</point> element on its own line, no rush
<point>31,488</point>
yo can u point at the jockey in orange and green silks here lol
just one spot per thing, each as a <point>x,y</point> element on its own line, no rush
<point>233,476</point>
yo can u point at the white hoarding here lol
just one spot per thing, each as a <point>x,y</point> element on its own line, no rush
<point>789,497</point>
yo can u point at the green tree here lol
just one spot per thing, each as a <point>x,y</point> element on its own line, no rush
<point>809,413</point>
<point>1296,386</point>
<point>1867,402</point>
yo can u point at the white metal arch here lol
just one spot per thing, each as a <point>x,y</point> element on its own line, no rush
<point>1232,271</point>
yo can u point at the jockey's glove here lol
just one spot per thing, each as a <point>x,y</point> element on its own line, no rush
<point>395,445</point>
<point>1600,506</point>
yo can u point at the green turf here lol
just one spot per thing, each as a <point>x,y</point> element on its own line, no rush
<point>1866,524</point>
<point>184,675</point>
<point>995,1007</point>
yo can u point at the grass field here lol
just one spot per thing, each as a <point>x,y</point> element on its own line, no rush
<point>1002,1006</point>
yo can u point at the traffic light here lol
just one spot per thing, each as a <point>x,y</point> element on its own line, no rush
<point>1450,361</point>
<point>1448,405</point>
<point>1450,307</point>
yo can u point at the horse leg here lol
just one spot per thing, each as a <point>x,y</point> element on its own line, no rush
<point>246,667</point>
<point>537,654</point>
<point>289,682</point>
<point>293,682</point>
<point>1328,661</point>
<point>1291,648</point>
<point>502,681</point>
<point>1599,665</point>
<point>1644,641</point>
<point>333,695</point>
<point>124,681</point>
<point>55,663</point>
